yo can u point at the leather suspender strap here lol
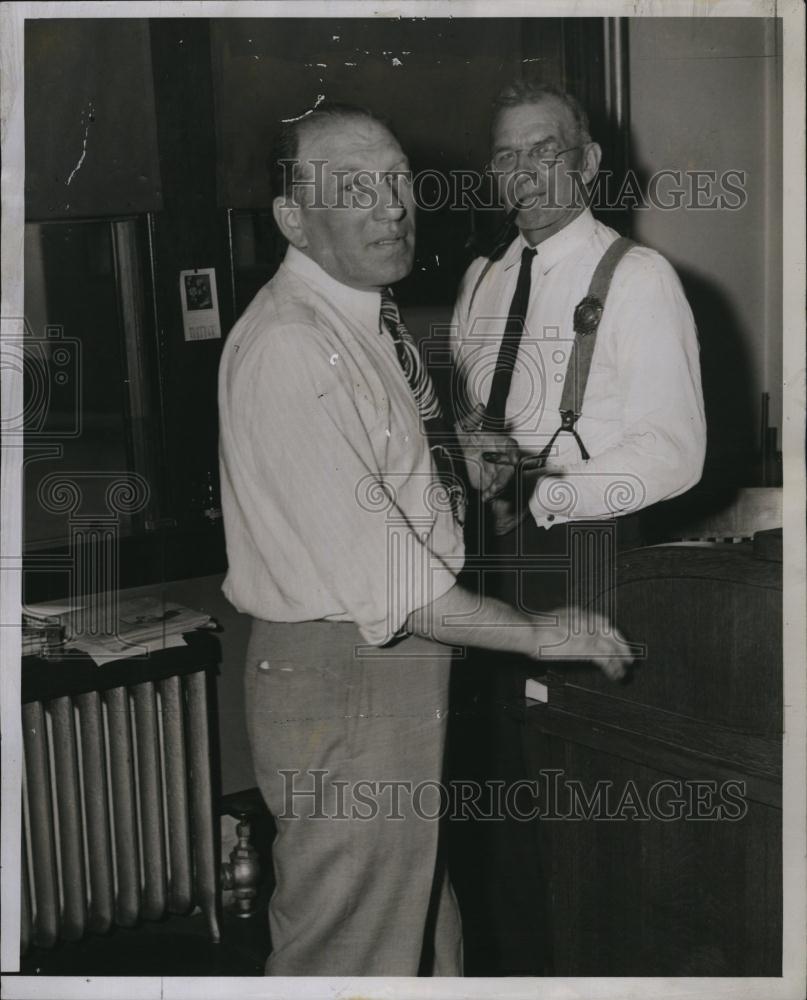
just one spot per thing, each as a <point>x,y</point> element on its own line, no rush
<point>587,316</point>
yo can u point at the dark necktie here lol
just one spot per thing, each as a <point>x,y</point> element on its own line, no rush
<point>428,404</point>
<point>508,351</point>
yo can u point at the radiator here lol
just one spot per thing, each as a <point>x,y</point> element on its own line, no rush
<point>117,809</point>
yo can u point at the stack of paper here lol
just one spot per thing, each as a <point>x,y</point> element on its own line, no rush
<point>45,627</point>
<point>141,624</point>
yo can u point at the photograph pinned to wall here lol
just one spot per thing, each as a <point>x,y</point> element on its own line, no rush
<point>200,304</point>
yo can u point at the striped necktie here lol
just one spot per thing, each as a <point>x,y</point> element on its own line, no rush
<point>409,357</point>
<point>426,398</point>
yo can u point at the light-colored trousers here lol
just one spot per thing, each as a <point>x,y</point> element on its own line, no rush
<point>360,890</point>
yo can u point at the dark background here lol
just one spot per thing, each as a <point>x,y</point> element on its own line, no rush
<point>167,124</point>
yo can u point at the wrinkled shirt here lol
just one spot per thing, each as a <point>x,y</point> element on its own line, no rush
<point>329,493</point>
<point>642,418</point>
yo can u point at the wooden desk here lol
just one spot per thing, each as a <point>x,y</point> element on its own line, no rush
<point>685,877</point>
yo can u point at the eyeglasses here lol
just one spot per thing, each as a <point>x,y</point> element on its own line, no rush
<point>542,154</point>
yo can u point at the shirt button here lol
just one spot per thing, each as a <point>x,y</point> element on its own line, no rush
<point>550,517</point>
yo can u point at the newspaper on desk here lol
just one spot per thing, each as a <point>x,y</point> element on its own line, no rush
<point>141,625</point>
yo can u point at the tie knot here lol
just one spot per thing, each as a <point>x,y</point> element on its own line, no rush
<point>527,255</point>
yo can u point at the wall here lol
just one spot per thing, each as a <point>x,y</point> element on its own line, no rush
<point>411,70</point>
<point>705,94</point>
<point>432,78</point>
<point>90,145</point>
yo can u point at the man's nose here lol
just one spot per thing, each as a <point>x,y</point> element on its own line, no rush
<point>390,204</point>
<point>525,166</point>
<point>523,160</point>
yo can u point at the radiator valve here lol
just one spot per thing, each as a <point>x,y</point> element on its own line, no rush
<point>241,874</point>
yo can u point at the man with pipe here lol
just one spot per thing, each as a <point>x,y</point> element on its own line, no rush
<point>579,384</point>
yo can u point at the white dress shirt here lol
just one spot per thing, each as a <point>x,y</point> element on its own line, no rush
<point>642,418</point>
<point>328,486</point>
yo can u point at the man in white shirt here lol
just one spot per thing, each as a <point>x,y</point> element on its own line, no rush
<point>344,544</point>
<point>642,421</point>
<point>640,436</point>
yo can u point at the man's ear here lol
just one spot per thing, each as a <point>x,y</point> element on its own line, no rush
<point>592,154</point>
<point>288,216</point>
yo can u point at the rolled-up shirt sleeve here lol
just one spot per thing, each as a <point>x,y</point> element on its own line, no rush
<point>342,501</point>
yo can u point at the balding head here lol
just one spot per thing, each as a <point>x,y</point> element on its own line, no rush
<point>346,198</point>
<point>285,155</point>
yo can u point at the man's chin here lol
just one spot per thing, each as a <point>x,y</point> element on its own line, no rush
<point>536,218</point>
<point>543,221</point>
<point>397,270</point>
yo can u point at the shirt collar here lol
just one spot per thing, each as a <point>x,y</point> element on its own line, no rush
<point>364,306</point>
<point>558,246</point>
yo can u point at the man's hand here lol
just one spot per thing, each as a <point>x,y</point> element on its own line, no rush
<point>490,478</point>
<point>585,635</point>
<point>505,515</point>
<point>510,508</point>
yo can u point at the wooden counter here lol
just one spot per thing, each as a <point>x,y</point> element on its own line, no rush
<point>661,813</point>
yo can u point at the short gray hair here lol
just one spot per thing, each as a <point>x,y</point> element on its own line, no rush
<point>529,92</point>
